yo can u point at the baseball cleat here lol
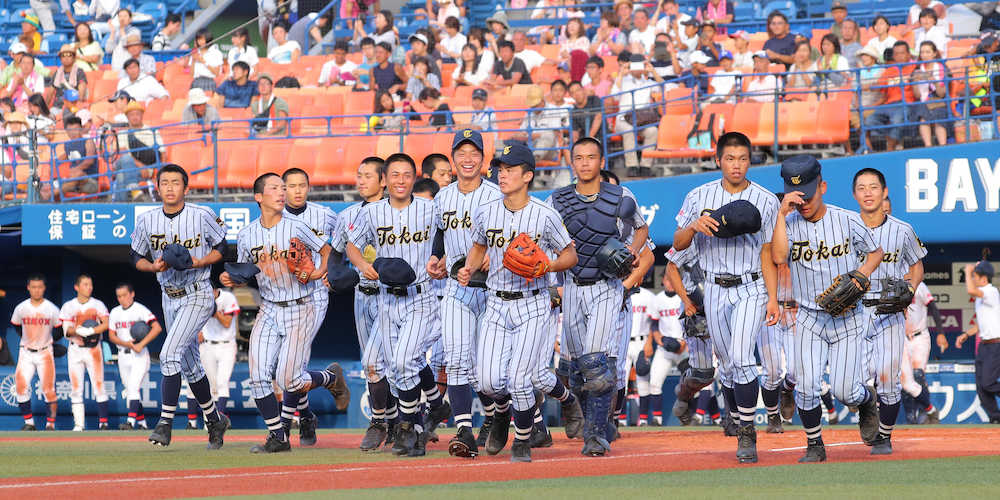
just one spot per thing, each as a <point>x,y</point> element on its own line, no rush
<point>377,433</point>
<point>882,445</point>
<point>338,388</point>
<point>774,424</point>
<point>78,429</point>
<point>786,404</point>
<point>307,431</point>
<point>463,444</point>
<point>124,426</point>
<point>406,439</point>
<point>436,416</point>
<point>520,451</point>
<point>868,420</point>
<point>420,445</point>
<point>539,438</point>
<point>573,415</point>
<point>28,427</point>
<point>161,434</point>
<point>684,411</point>
<point>103,426</point>
<point>933,417</point>
<point>833,418</point>
<point>730,427</point>
<point>216,431</point>
<point>191,425</point>
<point>484,431</point>
<point>595,446</point>
<point>499,432</point>
<point>746,448</point>
<point>815,451</point>
<point>49,426</point>
<point>272,445</point>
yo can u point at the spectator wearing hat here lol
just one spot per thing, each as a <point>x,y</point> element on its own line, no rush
<point>585,114</point>
<point>531,58</point>
<point>25,82</point>
<point>594,81</point>
<point>634,90</point>
<point>642,36</point>
<point>267,109</point>
<point>609,40</point>
<point>69,75</point>
<point>17,51</point>
<point>119,101</point>
<point>198,109</point>
<point>716,12</point>
<point>121,29</point>
<point>421,78</point>
<point>418,48</point>
<point>761,85</point>
<point>285,51</point>
<point>849,44</point>
<point>141,150</point>
<point>688,38</point>
<point>838,11</point>
<point>338,70</point>
<point>238,89</point>
<point>242,50</point>
<point>205,61</point>
<point>31,35</point>
<point>930,31</point>
<point>882,42</point>
<point>509,70</point>
<point>498,30</point>
<point>142,88</point>
<point>623,9</point>
<point>723,82</point>
<point>385,74</point>
<point>171,27</point>
<point>780,44</point>
<point>453,41</point>
<point>540,127</point>
<point>672,18</point>
<point>742,56</point>
<point>707,44</point>
<point>483,117</point>
<point>81,153</point>
<point>978,278</point>
<point>697,76</point>
<point>133,47</point>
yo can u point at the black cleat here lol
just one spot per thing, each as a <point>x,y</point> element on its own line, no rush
<point>125,426</point>
<point>882,445</point>
<point>730,427</point>
<point>868,421</point>
<point>786,403</point>
<point>520,451</point>
<point>437,416</point>
<point>573,415</point>
<point>28,427</point>
<point>684,411</point>
<point>746,449</point>
<point>406,439</point>
<point>463,444</point>
<point>539,439</point>
<point>420,446</point>
<point>933,417</point>
<point>377,433</point>
<point>216,430</point>
<point>338,387</point>
<point>484,431</point>
<point>161,434</point>
<point>272,445</point>
<point>815,452</point>
<point>595,446</point>
<point>499,432</point>
<point>307,431</point>
<point>774,424</point>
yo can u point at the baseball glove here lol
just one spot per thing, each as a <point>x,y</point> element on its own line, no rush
<point>896,296</point>
<point>299,260</point>
<point>524,258</point>
<point>844,293</point>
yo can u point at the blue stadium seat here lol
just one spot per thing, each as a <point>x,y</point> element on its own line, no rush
<point>745,11</point>
<point>786,7</point>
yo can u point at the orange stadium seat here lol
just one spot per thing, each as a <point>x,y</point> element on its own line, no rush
<point>273,155</point>
<point>746,118</point>
<point>421,144</point>
<point>672,139</point>
<point>835,127</point>
<point>237,170</point>
<point>104,89</point>
<point>387,144</point>
<point>305,153</point>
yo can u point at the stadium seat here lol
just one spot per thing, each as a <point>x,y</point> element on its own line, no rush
<point>387,144</point>
<point>835,125</point>
<point>338,165</point>
<point>746,118</point>
<point>272,155</point>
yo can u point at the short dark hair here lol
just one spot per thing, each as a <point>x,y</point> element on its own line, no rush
<point>130,62</point>
<point>242,31</point>
<point>557,82</point>
<point>506,43</point>
<point>596,60</point>
<point>421,60</point>
<point>608,176</point>
<point>731,139</point>
<point>385,46</point>
<point>367,41</point>
<point>429,165</point>
<point>341,45</point>
<point>574,83</point>
<point>243,65</point>
<point>452,22</point>
<point>928,13</point>
<point>830,37</point>
<point>281,24</point>
<point>429,93</point>
<point>126,285</point>
<point>36,277</point>
<point>172,167</point>
<point>258,185</point>
<point>901,43</point>
<point>293,171</point>
<point>173,18</point>
<point>400,157</point>
<point>426,185</point>
<point>588,140</point>
<point>868,170</point>
<point>80,278</point>
<point>73,120</point>
<point>375,161</point>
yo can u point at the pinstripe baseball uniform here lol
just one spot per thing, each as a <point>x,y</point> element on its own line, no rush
<point>511,332</point>
<point>699,348</point>
<point>817,253</point>
<point>775,341</point>
<point>886,334</point>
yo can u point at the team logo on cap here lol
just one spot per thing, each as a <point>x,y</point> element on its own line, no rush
<point>467,134</point>
<point>506,150</point>
<point>796,180</point>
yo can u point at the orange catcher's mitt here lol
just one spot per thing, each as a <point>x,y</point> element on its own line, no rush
<point>299,260</point>
<point>524,258</point>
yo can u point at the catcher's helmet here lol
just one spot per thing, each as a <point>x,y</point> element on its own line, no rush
<point>139,330</point>
<point>614,260</point>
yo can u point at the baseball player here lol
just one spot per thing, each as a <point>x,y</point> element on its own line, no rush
<point>917,350</point>
<point>669,346</point>
<point>35,320</point>
<point>886,333</point>
<point>285,324</point>
<point>133,357</point>
<point>595,213</point>
<point>192,238</point>
<point>217,345</point>
<point>828,242</point>
<point>738,301</point>
<point>84,319</point>
<point>321,220</point>
<point>511,331</point>
<point>401,229</point>
<point>436,167</point>
<point>462,306</point>
<point>370,185</point>
<point>428,189</point>
<point>772,343</point>
<point>640,343</point>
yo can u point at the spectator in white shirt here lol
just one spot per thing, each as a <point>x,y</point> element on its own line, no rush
<point>446,9</point>
<point>162,39</point>
<point>142,88</point>
<point>483,117</point>
<point>633,89</point>
<point>471,68</point>
<point>206,61</point>
<point>285,51</point>
<point>723,82</point>
<point>987,299</point>
<point>641,38</point>
<point>133,48</point>
<point>453,40</point>
<point>930,31</point>
<point>689,37</point>
<point>338,71</point>
<point>882,41</point>
<point>672,18</point>
<point>761,85</point>
<point>530,58</point>
<point>242,50</point>
<point>121,30</point>
<point>742,57</point>
<point>913,18</point>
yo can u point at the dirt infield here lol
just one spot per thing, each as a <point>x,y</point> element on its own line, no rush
<point>637,452</point>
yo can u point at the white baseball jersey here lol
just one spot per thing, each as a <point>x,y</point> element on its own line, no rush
<point>820,251</point>
<point>988,313</point>
<point>741,254</point>
<point>916,313</point>
<point>320,218</point>
<point>406,234</point>
<point>453,211</point>
<point>213,330</point>
<point>643,303</point>
<point>196,227</point>
<point>346,222</point>
<point>667,312</point>
<point>268,248</point>
<point>36,322</point>
<point>494,226</point>
<point>74,313</point>
<point>121,320</point>
<point>902,249</point>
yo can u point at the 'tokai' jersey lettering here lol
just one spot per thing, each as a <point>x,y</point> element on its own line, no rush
<point>268,249</point>
<point>196,228</point>
<point>453,211</point>
<point>406,234</point>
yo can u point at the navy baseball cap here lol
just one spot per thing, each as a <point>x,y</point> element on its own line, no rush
<point>736,218</point>
<point>241,272</point>
<point>515,154</point>
<point>984,268</point>
<point>342,279</point>
<point>393,271</point>
<point>480,94</point>
<point>177,257</point>
<point>801,173</point>
<point>468,135</point>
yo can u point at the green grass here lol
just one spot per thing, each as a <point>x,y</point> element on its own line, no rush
<point>972,477</point>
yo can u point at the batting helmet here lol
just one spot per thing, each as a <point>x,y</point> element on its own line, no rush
<point>139,331</point>
<point>614,260</point>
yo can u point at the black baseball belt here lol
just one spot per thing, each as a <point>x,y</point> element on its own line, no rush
<point>295,302</point>
<point>368,290</point>
<point>788,304</point>
<point>517,295</point>
<point>218,342</point>
<point>580,282</point>
<point>404,291</point>
<point>731,280</point>
<point>176,293</point>
<point>40,349</point>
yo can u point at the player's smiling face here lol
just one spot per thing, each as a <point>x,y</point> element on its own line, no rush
<point>400,178</point>
<point>869,193</point>
<point>734,163</point>
<point>468,161</point>
<point>296,190</point>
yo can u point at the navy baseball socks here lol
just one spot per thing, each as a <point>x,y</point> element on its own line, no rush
<point>887,414</point>
<point>170,390</point>
<point>812,423</point>
<point>643,410</point>
<point>489,408</point>
<point>464,442</point>
<point>731,418</point>
<point>656,409</point>
<point>771,401</point>
<point>29,418</point>
<point>378,429</point>
<point>277,440</point>
<point>520,450</point>
<point>439,410</point>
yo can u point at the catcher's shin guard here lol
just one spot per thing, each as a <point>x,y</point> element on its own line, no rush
<point>597,374</point>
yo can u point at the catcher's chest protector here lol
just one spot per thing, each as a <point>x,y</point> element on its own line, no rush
<point>591,223</point>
